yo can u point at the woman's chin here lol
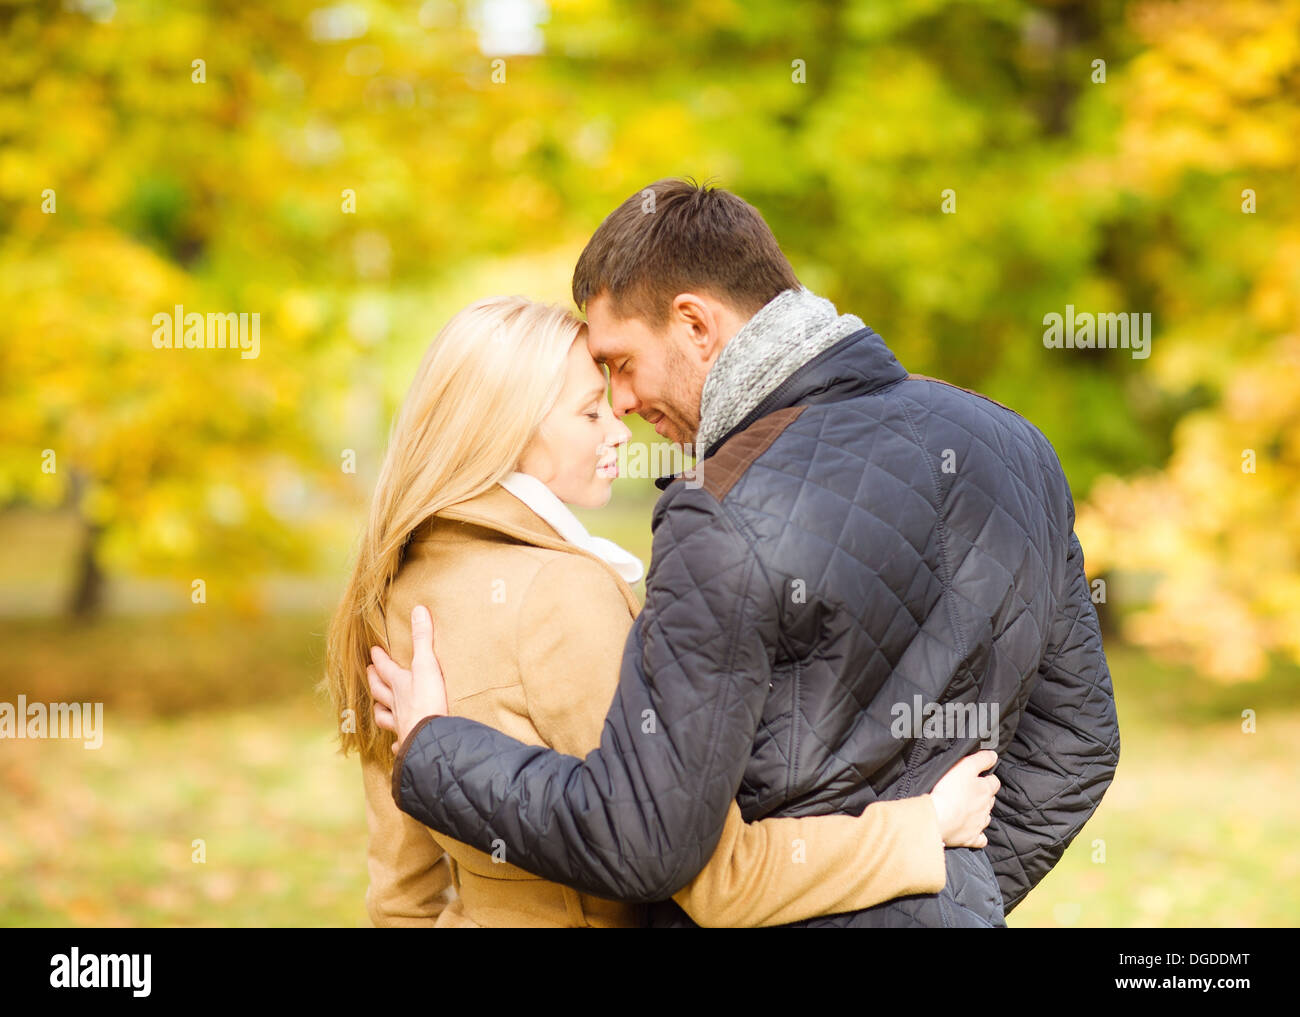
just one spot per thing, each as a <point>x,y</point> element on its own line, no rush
<point>601,494</point>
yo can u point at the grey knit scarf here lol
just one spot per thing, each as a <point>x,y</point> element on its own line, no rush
<point>786,333</point>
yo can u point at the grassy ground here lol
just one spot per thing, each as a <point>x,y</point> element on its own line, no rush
<point>1199,828</point>
<point>107,836</point>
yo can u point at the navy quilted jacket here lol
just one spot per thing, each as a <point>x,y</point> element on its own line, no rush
<point>863,538</point>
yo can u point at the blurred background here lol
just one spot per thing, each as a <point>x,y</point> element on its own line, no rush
<point>176,525</point>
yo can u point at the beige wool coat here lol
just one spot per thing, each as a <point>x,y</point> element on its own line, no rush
<point>529,631</point>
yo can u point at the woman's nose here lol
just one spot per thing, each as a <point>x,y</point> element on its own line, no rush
<point>621,434</point>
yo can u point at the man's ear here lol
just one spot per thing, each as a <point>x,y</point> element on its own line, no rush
<point>696,319</point>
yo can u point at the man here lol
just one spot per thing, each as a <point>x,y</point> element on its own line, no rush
<point>855,549</point>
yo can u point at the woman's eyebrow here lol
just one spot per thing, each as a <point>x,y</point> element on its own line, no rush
<point>595,393</point>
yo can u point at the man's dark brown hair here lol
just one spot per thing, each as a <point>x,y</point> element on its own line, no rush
<point>676,236</point>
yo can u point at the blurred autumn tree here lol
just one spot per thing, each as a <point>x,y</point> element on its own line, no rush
<point>1211,142</point>
<point>1092,154</point>
<point>211,155</point>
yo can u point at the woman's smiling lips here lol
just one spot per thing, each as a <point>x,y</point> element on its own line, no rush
<point>609,471</point>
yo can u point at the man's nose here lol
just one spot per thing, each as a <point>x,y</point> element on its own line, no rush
<point>622,398</point>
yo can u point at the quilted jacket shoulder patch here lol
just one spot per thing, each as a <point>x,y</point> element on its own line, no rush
<point>719,472</point>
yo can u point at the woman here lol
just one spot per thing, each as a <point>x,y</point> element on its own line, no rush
<point>506,422</point>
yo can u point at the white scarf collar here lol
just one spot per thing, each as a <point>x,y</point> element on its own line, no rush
<point>542,500</point>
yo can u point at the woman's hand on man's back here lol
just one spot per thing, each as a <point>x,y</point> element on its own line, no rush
<point>963,800</point>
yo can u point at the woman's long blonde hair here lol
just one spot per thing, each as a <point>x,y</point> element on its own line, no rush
<point>479,396</point>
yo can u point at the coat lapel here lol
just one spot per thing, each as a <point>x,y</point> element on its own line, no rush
<point>498,509</point>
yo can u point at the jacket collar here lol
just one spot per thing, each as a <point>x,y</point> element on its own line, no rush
<point>858,364</point>
<point>498,510</point>
<point>787,332</point>
<point>543,501</point>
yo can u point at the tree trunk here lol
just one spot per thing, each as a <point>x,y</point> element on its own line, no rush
<point>88,579</point>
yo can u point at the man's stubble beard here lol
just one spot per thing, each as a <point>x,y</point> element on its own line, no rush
<point>682,392</point>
